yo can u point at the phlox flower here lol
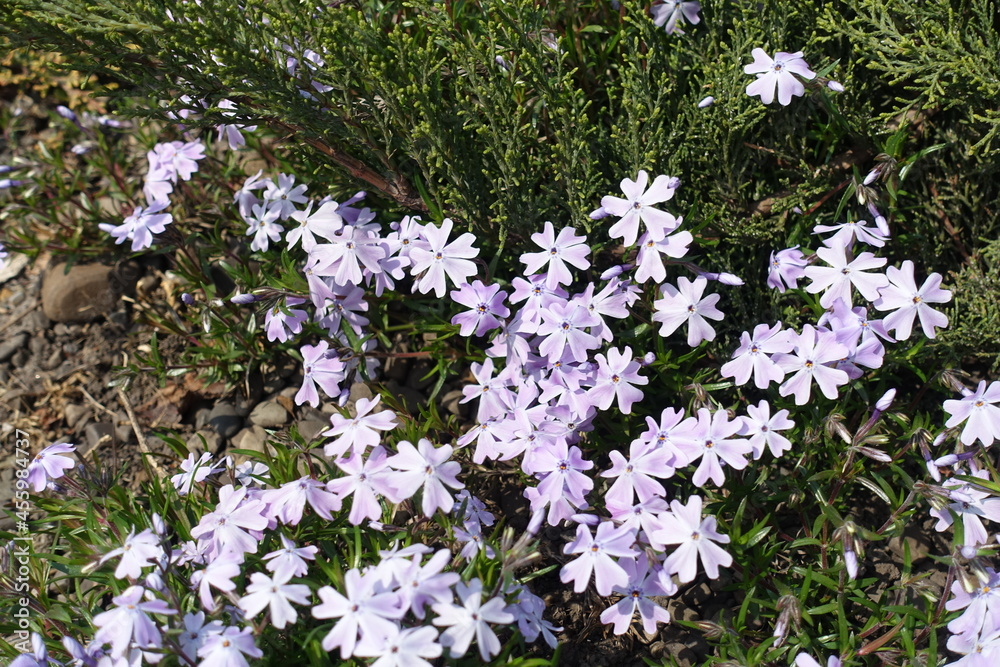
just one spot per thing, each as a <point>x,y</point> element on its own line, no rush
<point>785,268</point>
<point>441,259</point>
<point>671,13</point>
<point>325,222</point>
<point>49,464</point>
<point>491,390</point>
<point>638,207</point>
<point>634,476</point>
<point>810,360</point>
<point>290,560</point>
<point>762,429</point>
<point>695,538</point>
<point>219,573</point>
<point>277,595</point>
<point>978,410</point>
<point>195,632</point>
<point>752,356</point>
<point>227,648</point>
<point>231,131</point>
<point>262,225</point>
<point>283,322</point>
<point>972,506</point>
<point>597,556</point>
<point>710,437</point>
<point>528,610</point>
<point>368,607</point>
<point>228,524</point>
<point>193,471</point>
<point>835,280</point>
<point>616,376</point>
<point>474,540</point>
<point>128,621</point>
<point>286,195</point>
<point>563,327</point>
<point>778,72</point>
<point>536,297</point>
<point>471,620</point>
<point>345,305</point>
<point>350,249</point>
<point>649,260</point>
<point>909,302</point>
<point>407,647</point>
<point>557,251</point>
<point>141,225</point>
<point>611,301</point>
<point>847,232</point>
<point>644,583</point>
<point>176,159</point>
<point>659,435</point>
<point>472,510</point>
<point>321,366</point>
<point>560,468</point>
<point>487,308</point>
<point>420,585</point>
<point>289,501</point>
<point>39,656</point>
<point>361,432</point>
<point>365,480</point>
<point>427,468</point>
<point>684,303</point>
<point>137,552</point>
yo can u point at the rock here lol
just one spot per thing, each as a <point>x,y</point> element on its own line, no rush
<point>12,345</point>
<point>74,414</point>
<point>204,440</point>
<point>37,345</point>
<point>82,294</point>
<point>914,541</point>
<point>13,266</point>
<point>37,321</point>
<point>53,360</point>
<point>252,438</point>
<point>408,398</point>
<point>201,418</point>
<point>310,429</point>
<point>96,431</point>
<point>225,419</point>
<point>20,358</point>
<point>269,414</point>
<point>360,390</point>
<point>451,402</point>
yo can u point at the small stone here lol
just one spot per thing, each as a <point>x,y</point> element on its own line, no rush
<point>918,547</point>
<point>53,360</point>
<point>205,440</point>
<point>201,418</point>
<point>269,414</point>
<point>37,345</point>
<point>225,419</point>
<point>360,390</point>
<point>12,345</point>
<point>95,431</point>
<point>420,376</point>
<point>81,294</point>
<point>74,414</point>
<point>38,321</point>
<point>252,438</point>
<point>310,429</point>
<point>20,358</point>
<point>452,403</point>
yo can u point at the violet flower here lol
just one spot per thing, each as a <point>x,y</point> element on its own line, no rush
<point>695,538</point>
<point>684,304</point>
<point>49,464</point>
<point>909,302</point>
<point>556,253</point>
<point>638,207</point>
<point>487,308</point>
<point>598,553</point>
<point>442,259</point>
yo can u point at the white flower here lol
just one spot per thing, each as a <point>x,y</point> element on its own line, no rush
<point>777,72</point>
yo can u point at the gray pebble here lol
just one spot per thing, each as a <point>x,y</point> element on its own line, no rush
<point>205,440</point>
<point>310,429</point>
<point>74,414</point>
<point>12,345</point>
<point>269,414</point>
<point>97,430</point>
<point>225,419</point>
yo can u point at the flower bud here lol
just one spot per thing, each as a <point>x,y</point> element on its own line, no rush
<point>835,86</point>
<point>707,102</point>
<point>187,299</point>
<point>883,403</point>
<point>599,213</point>
<point>243,299</point>
<point>66,113</point>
